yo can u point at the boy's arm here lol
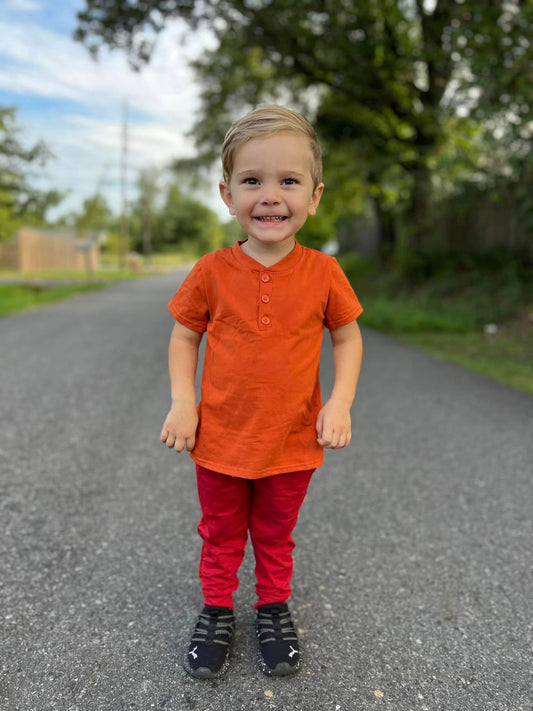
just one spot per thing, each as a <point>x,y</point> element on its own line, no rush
<point>333,424</point>
<point>179,429</point>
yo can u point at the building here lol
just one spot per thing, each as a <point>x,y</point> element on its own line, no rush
<point>36,250</point>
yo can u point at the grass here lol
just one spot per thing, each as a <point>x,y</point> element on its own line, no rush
<point>448,315</point>
<point>22,297</point>
<point>21,292</point>
<point>502,358</point>
<point>173,259</point>
<point>156,262</point>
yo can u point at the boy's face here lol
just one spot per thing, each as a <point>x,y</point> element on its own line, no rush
<point>271,189</point>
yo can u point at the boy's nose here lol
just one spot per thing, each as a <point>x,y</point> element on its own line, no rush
<point>270,195</point>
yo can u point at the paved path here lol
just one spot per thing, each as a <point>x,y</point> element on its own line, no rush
<point>413,582</point>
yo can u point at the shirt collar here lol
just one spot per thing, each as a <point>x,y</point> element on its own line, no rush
<point>246,262</point>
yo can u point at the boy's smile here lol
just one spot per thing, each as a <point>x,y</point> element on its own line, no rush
<point>271,191</point>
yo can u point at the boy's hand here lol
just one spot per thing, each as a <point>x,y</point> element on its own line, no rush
<point>333,425</point>
<point>179,430</point>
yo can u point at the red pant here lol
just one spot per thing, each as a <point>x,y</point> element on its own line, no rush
<point>231,506</point>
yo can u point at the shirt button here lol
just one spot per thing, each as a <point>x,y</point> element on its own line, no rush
<point>265,278</point>
<point>265,298</point>
<point>265,320</point>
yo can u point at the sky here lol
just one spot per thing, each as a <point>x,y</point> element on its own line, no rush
<point>75,105</point>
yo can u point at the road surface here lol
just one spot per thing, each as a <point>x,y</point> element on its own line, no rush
<point>413,579</point>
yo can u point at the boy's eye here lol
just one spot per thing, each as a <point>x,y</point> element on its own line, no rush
<point>250,181</point>
<point>290,181</point>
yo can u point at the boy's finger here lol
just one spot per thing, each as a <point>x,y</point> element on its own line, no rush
<point>334,440</point>
<point>341,441</point>
<point>319,424</point>
<point>326,437</point>
<point>190,442</point>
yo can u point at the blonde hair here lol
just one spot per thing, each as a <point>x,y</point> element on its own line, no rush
<point>265,121</point>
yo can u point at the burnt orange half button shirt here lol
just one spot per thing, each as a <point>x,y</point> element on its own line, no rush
<point>260,386</point>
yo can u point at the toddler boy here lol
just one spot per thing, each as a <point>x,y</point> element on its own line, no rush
<point>259,430</point>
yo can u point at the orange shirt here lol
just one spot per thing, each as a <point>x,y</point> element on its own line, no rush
<point>260,386</point>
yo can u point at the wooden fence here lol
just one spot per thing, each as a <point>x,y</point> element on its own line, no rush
<point>36,250</point>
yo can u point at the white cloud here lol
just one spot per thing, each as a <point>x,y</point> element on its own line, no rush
<point>24,5</point>
<point>64,70</point>
<point>86,136</point>
<point>88,155</point>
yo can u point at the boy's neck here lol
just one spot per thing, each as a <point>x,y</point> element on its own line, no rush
<point>268,254</point>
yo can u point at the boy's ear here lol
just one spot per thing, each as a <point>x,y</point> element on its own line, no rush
<point>315,198</point>
<point>225,194</point>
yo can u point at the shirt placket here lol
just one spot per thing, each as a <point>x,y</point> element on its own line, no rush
<point>265,301</point>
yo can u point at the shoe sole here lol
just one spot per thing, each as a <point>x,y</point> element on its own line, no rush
<point>281,669</point>
<point>205,672</point>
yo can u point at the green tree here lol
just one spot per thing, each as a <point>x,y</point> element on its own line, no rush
<point>95,215</point>
<point>19,201</point>
<point>143,211</point>
<point>186,223</point>
<point>392,82</point>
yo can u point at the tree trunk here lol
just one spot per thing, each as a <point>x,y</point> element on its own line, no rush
<point>387,232</point>
<point>416,230</point>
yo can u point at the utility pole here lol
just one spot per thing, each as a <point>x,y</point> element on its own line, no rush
<point>124,236</point>
<point>148,191</point>
<point>147,225</point>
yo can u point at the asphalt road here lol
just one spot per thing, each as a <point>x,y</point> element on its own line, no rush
<point>413,582</point>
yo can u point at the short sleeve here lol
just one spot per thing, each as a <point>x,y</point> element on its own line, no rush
<point>189,305</point>
<point>343,306</point>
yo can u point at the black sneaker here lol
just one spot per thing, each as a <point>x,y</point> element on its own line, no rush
<point>279,653</point>
<point>207,656</point>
